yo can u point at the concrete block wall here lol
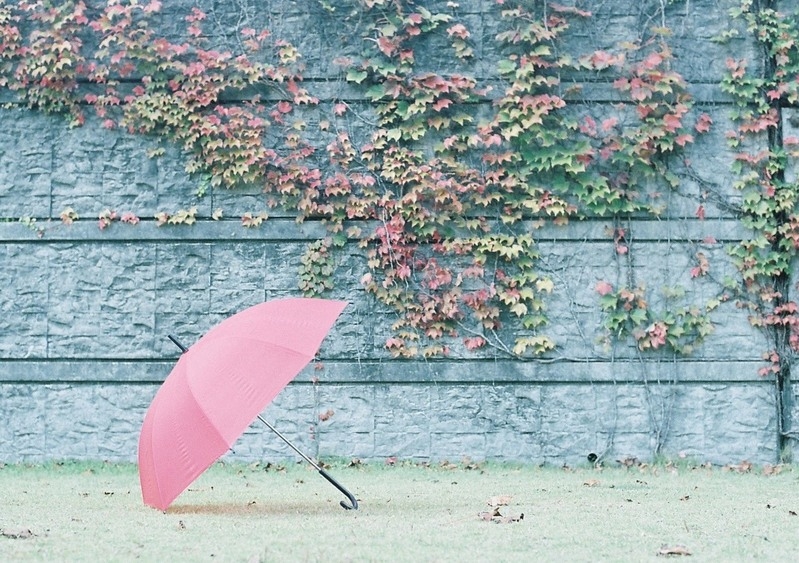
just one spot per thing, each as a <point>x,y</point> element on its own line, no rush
<point>84,312</point>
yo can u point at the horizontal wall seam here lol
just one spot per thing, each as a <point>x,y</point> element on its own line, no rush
<point>483,372</point>
<point>47,231</point>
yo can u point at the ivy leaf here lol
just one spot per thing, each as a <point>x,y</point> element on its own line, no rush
<point>475,342</point>
<point>519,309</point>
<point>506,66</point>
<point>442,103</point>
<point>703,123</point>
<point>68,216</point>
<point>604,288</point>
<point>546,285</point>
<point>356,76</point>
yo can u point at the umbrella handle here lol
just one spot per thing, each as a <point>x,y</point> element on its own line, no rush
<point>353,502</point>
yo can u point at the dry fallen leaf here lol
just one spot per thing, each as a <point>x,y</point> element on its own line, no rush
<point>743,467</point>
<point>488,516</point>
<point>500,500</point>
<point>769,469</point>
<point>674,550</point>
<point>510,519</point>
<point>17,534</point>
<point>629,462</point>
<point>496,516</point>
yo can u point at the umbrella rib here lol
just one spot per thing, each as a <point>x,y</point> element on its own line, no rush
<point>241,338</point>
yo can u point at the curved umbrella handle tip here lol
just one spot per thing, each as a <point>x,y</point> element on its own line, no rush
<point>353,501</point>
<point>352,506</point>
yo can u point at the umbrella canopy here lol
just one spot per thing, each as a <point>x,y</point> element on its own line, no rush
<point>221,384</point>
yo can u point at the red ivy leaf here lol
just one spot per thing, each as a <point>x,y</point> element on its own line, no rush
<point>700,212</point>
<point>129,217</point>
<point>458,30</point>
<point>609,124</point>
<point>672,122</point>
<point>443,103</point>
<point>386,46</point>
<point>475,342</point>
<point>603,59</point>
<point>603,288</point>
<point>652,61</point>
<point>736,68</point>
<point>395,342</point>
<point>703,123</point>
<point>588,126</point>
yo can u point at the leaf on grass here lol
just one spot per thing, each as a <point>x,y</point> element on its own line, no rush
<point>496,517</point>
<point>17,534</point>
<point>489,515</point>
<point>743,467</point>
<point>769,469</point>
<point>629,462</point>
<point>668,550</point>
<point>500,500</point>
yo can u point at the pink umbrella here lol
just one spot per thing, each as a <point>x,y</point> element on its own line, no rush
<point>220,385</point>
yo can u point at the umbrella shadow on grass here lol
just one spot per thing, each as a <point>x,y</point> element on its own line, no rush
<point>253,508</point>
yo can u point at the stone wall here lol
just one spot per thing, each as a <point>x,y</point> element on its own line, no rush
<point>84,312</point>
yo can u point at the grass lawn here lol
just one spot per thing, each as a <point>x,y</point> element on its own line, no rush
<point>93,512</point>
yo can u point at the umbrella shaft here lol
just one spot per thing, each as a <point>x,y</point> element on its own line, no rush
<point>292,446</point>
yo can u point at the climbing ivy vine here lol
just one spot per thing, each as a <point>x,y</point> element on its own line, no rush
<point>769,197</point>
<point>449,176</point>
